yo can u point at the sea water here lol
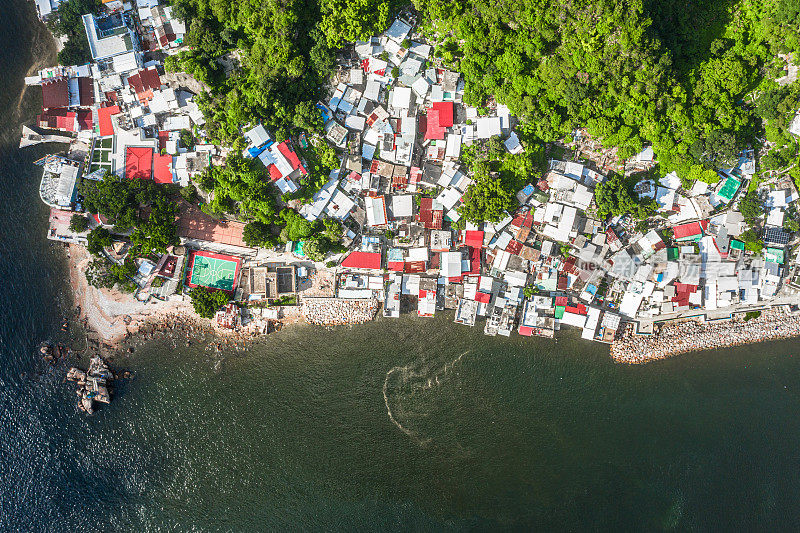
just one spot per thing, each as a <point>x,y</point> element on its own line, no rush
<point>398,424</point>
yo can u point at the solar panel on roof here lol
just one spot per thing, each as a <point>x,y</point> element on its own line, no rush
<point>776,236</point>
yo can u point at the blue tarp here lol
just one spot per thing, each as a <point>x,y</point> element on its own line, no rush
<point>256,150</point>
<point>324,112</point>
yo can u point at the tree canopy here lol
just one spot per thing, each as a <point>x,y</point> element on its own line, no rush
<point>614,197</point>
<point>69,23</point>
<point>207,302</point>
<point>496,178</point>
<point>121,201</point>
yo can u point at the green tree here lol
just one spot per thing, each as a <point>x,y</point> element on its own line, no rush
<point>751,207</point>
<point>97,240</point>
<point>69,23</point>
<point>614,197</point>
<point>752,241</point>
<point>352,20</point>
<point>189,193</point>
<point>159,231</point>
<point>187,139</point>
<point>486,199</point>
<point>207,302</point>
<point>258,234</point>
<point>78,223</point>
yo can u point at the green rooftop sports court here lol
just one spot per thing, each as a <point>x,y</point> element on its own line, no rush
<point>215,271</point>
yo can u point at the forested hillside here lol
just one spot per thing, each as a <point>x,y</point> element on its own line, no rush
<point>694,79</point>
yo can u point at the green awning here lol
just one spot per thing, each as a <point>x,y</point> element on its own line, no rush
<point>729,189</point>
<point>776,255</point>
<point>672,253</point>
<point>737,245</point>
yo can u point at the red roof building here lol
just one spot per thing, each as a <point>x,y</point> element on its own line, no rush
<point>138,162</point>
<point>290,154</point>
<point>163,137</point>
<point>514,247</point>
<point>86,92</point>
<point>55,93</point>
<point>396,266</point>
<point>692,230</point>
<point>429,217</point>
<point>414,267</point>
<point>364,260</point>
<point>482,297</point>
<point>162,168</point>
<point>85,121</point>
<point>145,81</point>
<point>445,110</point>
<point>104,120</point>
<point>433,129</point>
<point>274,173</point>
<point>58,119</point>
<point>473,238</point>
<point>415,176</point>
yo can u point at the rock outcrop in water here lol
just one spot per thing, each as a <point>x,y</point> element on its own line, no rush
<point>93,384</point>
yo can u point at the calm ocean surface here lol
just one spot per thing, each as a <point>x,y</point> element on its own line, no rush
<point>409,424</point>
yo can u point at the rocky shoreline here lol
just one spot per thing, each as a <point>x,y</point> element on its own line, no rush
<point>691,336</point>
<point>337,311</point>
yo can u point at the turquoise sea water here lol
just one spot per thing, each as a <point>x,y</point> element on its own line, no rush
<point>394,425</point>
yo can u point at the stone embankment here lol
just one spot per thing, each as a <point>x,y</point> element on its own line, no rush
<point>682,337</point>
<point>338,311</point>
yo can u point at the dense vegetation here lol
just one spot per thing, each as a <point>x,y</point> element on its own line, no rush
<point>69,24</point>
<point>675,74</point>
<point>207,302</point>
<point>103,273</point>
<point>615,197</point>
<point>497,176</point>
<point>78,223</point>
<point>286,50</point>
<point>696,80</point>
<point>122,201</point>
<point>242,188</point>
